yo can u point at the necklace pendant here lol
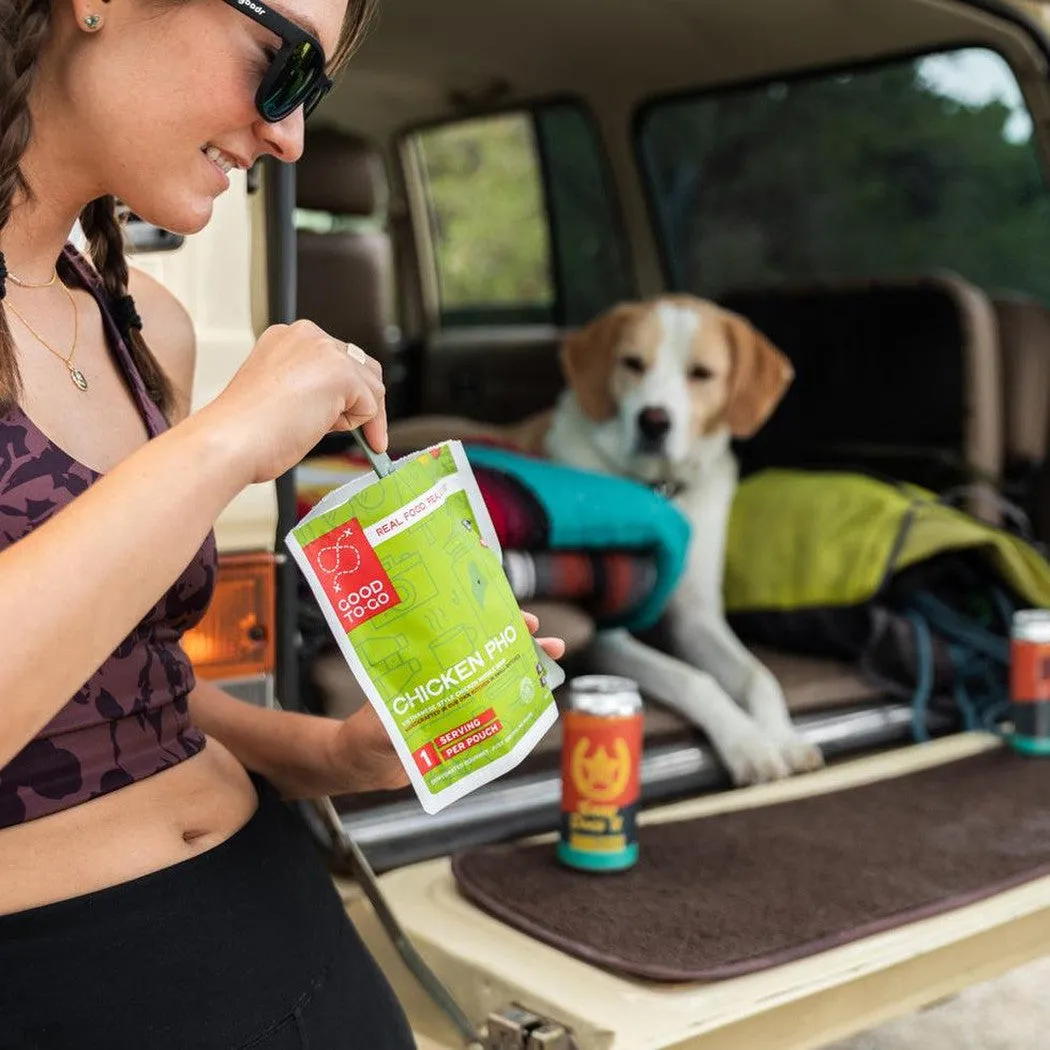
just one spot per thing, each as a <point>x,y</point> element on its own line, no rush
<point>78,377</point>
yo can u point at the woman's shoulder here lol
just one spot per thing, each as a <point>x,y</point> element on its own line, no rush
<point>168,329</point>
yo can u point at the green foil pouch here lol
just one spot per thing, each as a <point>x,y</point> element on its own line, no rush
<point>409,574</point>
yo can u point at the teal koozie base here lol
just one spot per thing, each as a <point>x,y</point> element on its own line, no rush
<point>1036,746</point>
<point>587,861</point>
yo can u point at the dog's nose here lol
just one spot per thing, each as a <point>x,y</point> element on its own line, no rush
<point>654,423</point>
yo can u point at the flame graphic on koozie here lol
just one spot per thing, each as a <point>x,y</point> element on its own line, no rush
<point>330,559</point>
<point>601,777</point>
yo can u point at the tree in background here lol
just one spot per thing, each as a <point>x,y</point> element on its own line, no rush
<point>874,173</point>
<point>487,213</point>
<point>523,218</point>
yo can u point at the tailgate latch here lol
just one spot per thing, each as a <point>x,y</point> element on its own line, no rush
<point>514,1028</point>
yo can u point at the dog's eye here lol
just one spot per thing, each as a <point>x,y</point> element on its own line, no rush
<point>633,364</point>
<point>700,372</point>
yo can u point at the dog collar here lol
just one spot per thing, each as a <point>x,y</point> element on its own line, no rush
<point>667,488</point>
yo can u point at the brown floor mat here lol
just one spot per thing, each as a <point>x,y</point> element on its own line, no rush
<point>730,894</point>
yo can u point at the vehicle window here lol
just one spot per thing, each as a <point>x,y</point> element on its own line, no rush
<point>899,169</point>
<point>523,224</point>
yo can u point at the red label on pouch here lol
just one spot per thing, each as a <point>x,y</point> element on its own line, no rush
<point>467,728</point>
<point>1029,671</point>
<point>476,736</point>
<point>601,761</point>
<point>351,574</point>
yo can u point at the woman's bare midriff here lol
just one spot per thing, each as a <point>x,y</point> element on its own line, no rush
<point>150,825</point>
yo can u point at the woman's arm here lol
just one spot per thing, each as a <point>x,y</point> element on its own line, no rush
<point>307,756</point>
<point>298,753</point>
<point>293,751</point>
<point>77,585</point>
<point>74,588</point>
<point>304,756</point>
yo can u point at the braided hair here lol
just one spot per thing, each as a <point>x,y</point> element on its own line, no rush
<point>23,29</point>
<point>105,238</point>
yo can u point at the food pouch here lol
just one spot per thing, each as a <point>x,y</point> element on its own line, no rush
<point>408,572</point>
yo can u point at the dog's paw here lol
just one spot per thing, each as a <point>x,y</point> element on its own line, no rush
<point>800,755</point>
<point>766,704</point>
<point>751,757</point>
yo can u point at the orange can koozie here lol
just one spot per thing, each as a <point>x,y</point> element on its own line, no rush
<point>601,774</point>
<point>1030,681</point>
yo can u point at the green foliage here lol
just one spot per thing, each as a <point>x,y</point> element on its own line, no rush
<point>873,173</point>
<point>488,213</point>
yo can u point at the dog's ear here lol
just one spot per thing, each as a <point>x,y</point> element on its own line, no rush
<point>587,360</point>
<point>759,377</point>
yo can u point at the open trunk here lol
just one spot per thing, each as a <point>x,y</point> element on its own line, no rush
<point>468,58</point>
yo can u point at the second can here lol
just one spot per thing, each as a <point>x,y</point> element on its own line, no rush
<point>601,767</point>
<point>1030,681</point>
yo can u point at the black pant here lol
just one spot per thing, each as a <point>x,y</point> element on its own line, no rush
<point>246,945</point>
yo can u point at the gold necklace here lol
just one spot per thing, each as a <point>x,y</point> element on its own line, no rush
<point>78,377</point>
<point>25,284</point>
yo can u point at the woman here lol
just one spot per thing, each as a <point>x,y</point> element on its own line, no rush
<point>153,892</point>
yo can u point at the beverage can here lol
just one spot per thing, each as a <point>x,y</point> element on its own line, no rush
<point>601,774</point>
<point>1030,681</point>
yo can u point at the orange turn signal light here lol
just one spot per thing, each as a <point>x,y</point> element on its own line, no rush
<point>236,638</point>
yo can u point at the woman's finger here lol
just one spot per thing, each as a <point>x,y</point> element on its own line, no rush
<point>375,430</point>
<point>373,384</point>
<point>364,408</point>
<point>553,647</point>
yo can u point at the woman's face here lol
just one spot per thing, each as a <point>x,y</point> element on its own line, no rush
<point>145,102</point>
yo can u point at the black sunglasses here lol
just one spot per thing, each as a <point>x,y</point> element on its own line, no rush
<point>296,76</point>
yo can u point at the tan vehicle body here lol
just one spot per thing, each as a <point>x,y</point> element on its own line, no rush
<point>613,54</point>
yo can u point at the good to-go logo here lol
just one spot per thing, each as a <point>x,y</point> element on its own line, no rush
<point>340,556</point>
<point>353,578</point>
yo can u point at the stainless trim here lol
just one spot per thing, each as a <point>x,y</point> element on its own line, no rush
<point>256,689</point>
<point>401,833</point>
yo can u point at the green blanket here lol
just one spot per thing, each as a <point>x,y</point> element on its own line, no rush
<point>801,539</point>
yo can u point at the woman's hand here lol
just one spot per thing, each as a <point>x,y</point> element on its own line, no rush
<point>297,385</point>
<point>363,758</point>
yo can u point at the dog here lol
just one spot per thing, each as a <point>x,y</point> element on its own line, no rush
<point>656,390</point>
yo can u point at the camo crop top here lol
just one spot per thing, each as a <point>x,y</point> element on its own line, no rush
<point>130,720</point>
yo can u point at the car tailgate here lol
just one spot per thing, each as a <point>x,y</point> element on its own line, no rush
<point>807,1003</point>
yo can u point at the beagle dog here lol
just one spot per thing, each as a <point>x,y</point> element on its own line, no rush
<point>656,391</point>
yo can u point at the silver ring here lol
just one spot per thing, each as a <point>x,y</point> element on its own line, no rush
<point>355,353</point>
